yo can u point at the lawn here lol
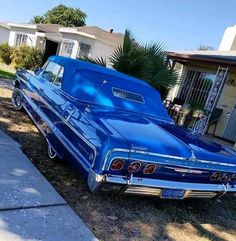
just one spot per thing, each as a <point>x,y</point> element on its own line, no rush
<point>6,72</point>
<point>121,218</point>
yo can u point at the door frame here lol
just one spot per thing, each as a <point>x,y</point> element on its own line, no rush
<point>227,122</point>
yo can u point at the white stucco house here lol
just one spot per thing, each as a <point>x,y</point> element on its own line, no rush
<point>90,41</point>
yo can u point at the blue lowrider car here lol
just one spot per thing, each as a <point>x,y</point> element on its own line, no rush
<point>115,129</point>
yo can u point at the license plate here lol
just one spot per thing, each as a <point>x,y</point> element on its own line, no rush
<point>172,194</point>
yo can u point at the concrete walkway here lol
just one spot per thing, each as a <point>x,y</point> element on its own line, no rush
<point>30,208</point>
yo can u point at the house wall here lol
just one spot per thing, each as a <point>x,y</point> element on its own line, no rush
<point>228,41</point>
<point>98,48</point>
<point>76,39</point>
<point>226,101</point>
<point>32,38</point>
<point>4,35</point>
<point>102,49</point>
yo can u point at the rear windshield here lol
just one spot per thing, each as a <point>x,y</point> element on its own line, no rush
<point>125,94</point>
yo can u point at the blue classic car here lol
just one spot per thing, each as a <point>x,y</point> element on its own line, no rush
<point>115,129</point>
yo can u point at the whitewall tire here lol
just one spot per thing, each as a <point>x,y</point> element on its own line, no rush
<point>17,100</point>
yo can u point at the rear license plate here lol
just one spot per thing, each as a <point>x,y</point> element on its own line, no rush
<point>172,194</point>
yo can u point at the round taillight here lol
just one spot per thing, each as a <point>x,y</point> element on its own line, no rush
<point>117,165</point>
<point>149,169</point>
<point>134,167</point>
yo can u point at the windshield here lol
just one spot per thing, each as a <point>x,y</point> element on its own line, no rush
<point>125,94</point>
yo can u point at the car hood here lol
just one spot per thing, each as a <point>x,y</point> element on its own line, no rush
<point>152,135</point>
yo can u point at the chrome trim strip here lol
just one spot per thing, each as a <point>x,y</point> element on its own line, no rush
<point>32,118</point>
<point>156,183</point>
<point>53,129</point>
<point>66,123</point>
<point>109,153</point>
<point>158,155</point>
<point>216,163</point>
<point>72,128</point>
<point>164,163</point>
<point>164,156</point>
<point>186,170</point>
<point>138,152</point>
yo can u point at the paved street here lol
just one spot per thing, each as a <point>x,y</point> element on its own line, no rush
<point>30,208</point>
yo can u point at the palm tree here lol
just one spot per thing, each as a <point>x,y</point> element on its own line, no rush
<point>147,62</point>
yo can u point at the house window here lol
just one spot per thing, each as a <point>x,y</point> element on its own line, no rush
<point>67,48</point>
<point>20,39</point>
<point>84,50</point>
<point>196,86</point>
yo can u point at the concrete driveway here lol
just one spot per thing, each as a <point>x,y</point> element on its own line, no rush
<point>30,208</point>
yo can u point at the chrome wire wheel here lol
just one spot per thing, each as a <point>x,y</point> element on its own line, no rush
<point>17,99</point>
<point>51,153</point>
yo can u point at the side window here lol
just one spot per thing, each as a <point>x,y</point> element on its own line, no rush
<point>50,71</point>
<point>59,77</point>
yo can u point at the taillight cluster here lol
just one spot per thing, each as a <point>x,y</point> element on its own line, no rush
<point>149,169</point>
<point>118,165</point>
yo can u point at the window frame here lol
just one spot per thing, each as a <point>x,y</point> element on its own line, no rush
<point>23,37</point>
<point>53,80</point>
<point>64,48</point>
<point>59,83</point>
<point>88,48</point>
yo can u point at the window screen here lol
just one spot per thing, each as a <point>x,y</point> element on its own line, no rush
<point>20,39</point>
<point>84,50</point>
<point>67,48</point>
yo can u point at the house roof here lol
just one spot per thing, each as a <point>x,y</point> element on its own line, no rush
<point>93,32</point>
<point>210,56</point>
<point>4,25</point>
<point>49,28</point>
<point>99,33</point>
<point>22,25</point>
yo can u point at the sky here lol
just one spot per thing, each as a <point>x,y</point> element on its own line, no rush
<point>179,24</point>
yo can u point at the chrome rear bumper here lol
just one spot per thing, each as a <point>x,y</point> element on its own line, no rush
<point>154,187</point>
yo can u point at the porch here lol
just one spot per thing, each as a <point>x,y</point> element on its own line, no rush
<point>207,88</point>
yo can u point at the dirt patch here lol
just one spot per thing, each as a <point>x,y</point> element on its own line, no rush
<point>113,217</point>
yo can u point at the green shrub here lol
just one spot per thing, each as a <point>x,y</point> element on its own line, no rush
<point>26,57</point>
<point>5,53</point>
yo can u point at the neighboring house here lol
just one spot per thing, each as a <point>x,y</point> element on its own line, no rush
<point>54,39</point>
<point>4,32</point>
<point>210,77</point>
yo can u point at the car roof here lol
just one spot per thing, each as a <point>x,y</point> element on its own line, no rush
<point>75,64</point>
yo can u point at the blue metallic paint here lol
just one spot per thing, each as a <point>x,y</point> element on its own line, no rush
<point>118,128</point>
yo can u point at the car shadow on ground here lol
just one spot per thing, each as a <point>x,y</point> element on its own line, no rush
<point>117,217</point>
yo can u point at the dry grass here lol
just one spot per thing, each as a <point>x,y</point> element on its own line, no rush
<point>113,217</point>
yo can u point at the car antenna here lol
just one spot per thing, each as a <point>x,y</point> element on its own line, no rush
<point>87,109</point>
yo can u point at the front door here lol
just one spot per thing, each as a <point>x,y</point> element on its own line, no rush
<point>230,131</point>
<point>51,48</point>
